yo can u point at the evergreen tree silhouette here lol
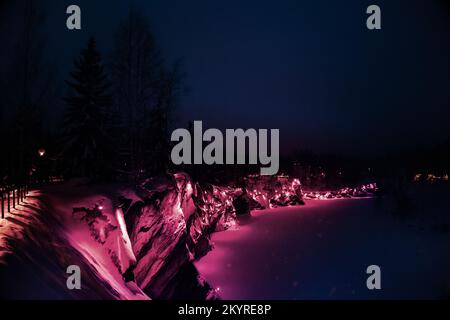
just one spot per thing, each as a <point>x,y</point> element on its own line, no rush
<point>87,147</point>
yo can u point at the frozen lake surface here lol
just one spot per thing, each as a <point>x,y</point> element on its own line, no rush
<point>321,251</point>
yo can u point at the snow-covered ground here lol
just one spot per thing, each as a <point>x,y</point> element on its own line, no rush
<point>99,254</point>
<point>321,251</point>
<point>13,227</point>
<point>42,237</point>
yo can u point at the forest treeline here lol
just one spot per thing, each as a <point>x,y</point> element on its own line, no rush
<point>117,106</point>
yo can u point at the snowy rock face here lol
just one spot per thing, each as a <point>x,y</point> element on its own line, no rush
<point>216,207</point>
<point>157,229</point>
<point>274,191</point>
<point>367,190</point>
<point>172,223</point>
<point>163,225</point>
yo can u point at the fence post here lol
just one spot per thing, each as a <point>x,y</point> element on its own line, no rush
<point>14,198</point>
<point>3,205</point>
<point>9,200</point>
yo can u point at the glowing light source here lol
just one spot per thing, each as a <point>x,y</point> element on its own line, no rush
<point>41,152</point>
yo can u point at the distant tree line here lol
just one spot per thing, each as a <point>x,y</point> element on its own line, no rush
<point>118,109</point>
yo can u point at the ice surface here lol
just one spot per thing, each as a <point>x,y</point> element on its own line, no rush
<point>321,251</point>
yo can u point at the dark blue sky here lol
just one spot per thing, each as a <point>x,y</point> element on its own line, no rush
<point>310,68</point>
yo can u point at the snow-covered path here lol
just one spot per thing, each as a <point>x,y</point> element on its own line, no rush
<point>322,250</point>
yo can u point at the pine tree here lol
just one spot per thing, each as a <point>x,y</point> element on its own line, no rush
<point>87,146</point>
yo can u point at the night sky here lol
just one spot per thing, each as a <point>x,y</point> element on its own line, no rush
<point>309,68</point>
